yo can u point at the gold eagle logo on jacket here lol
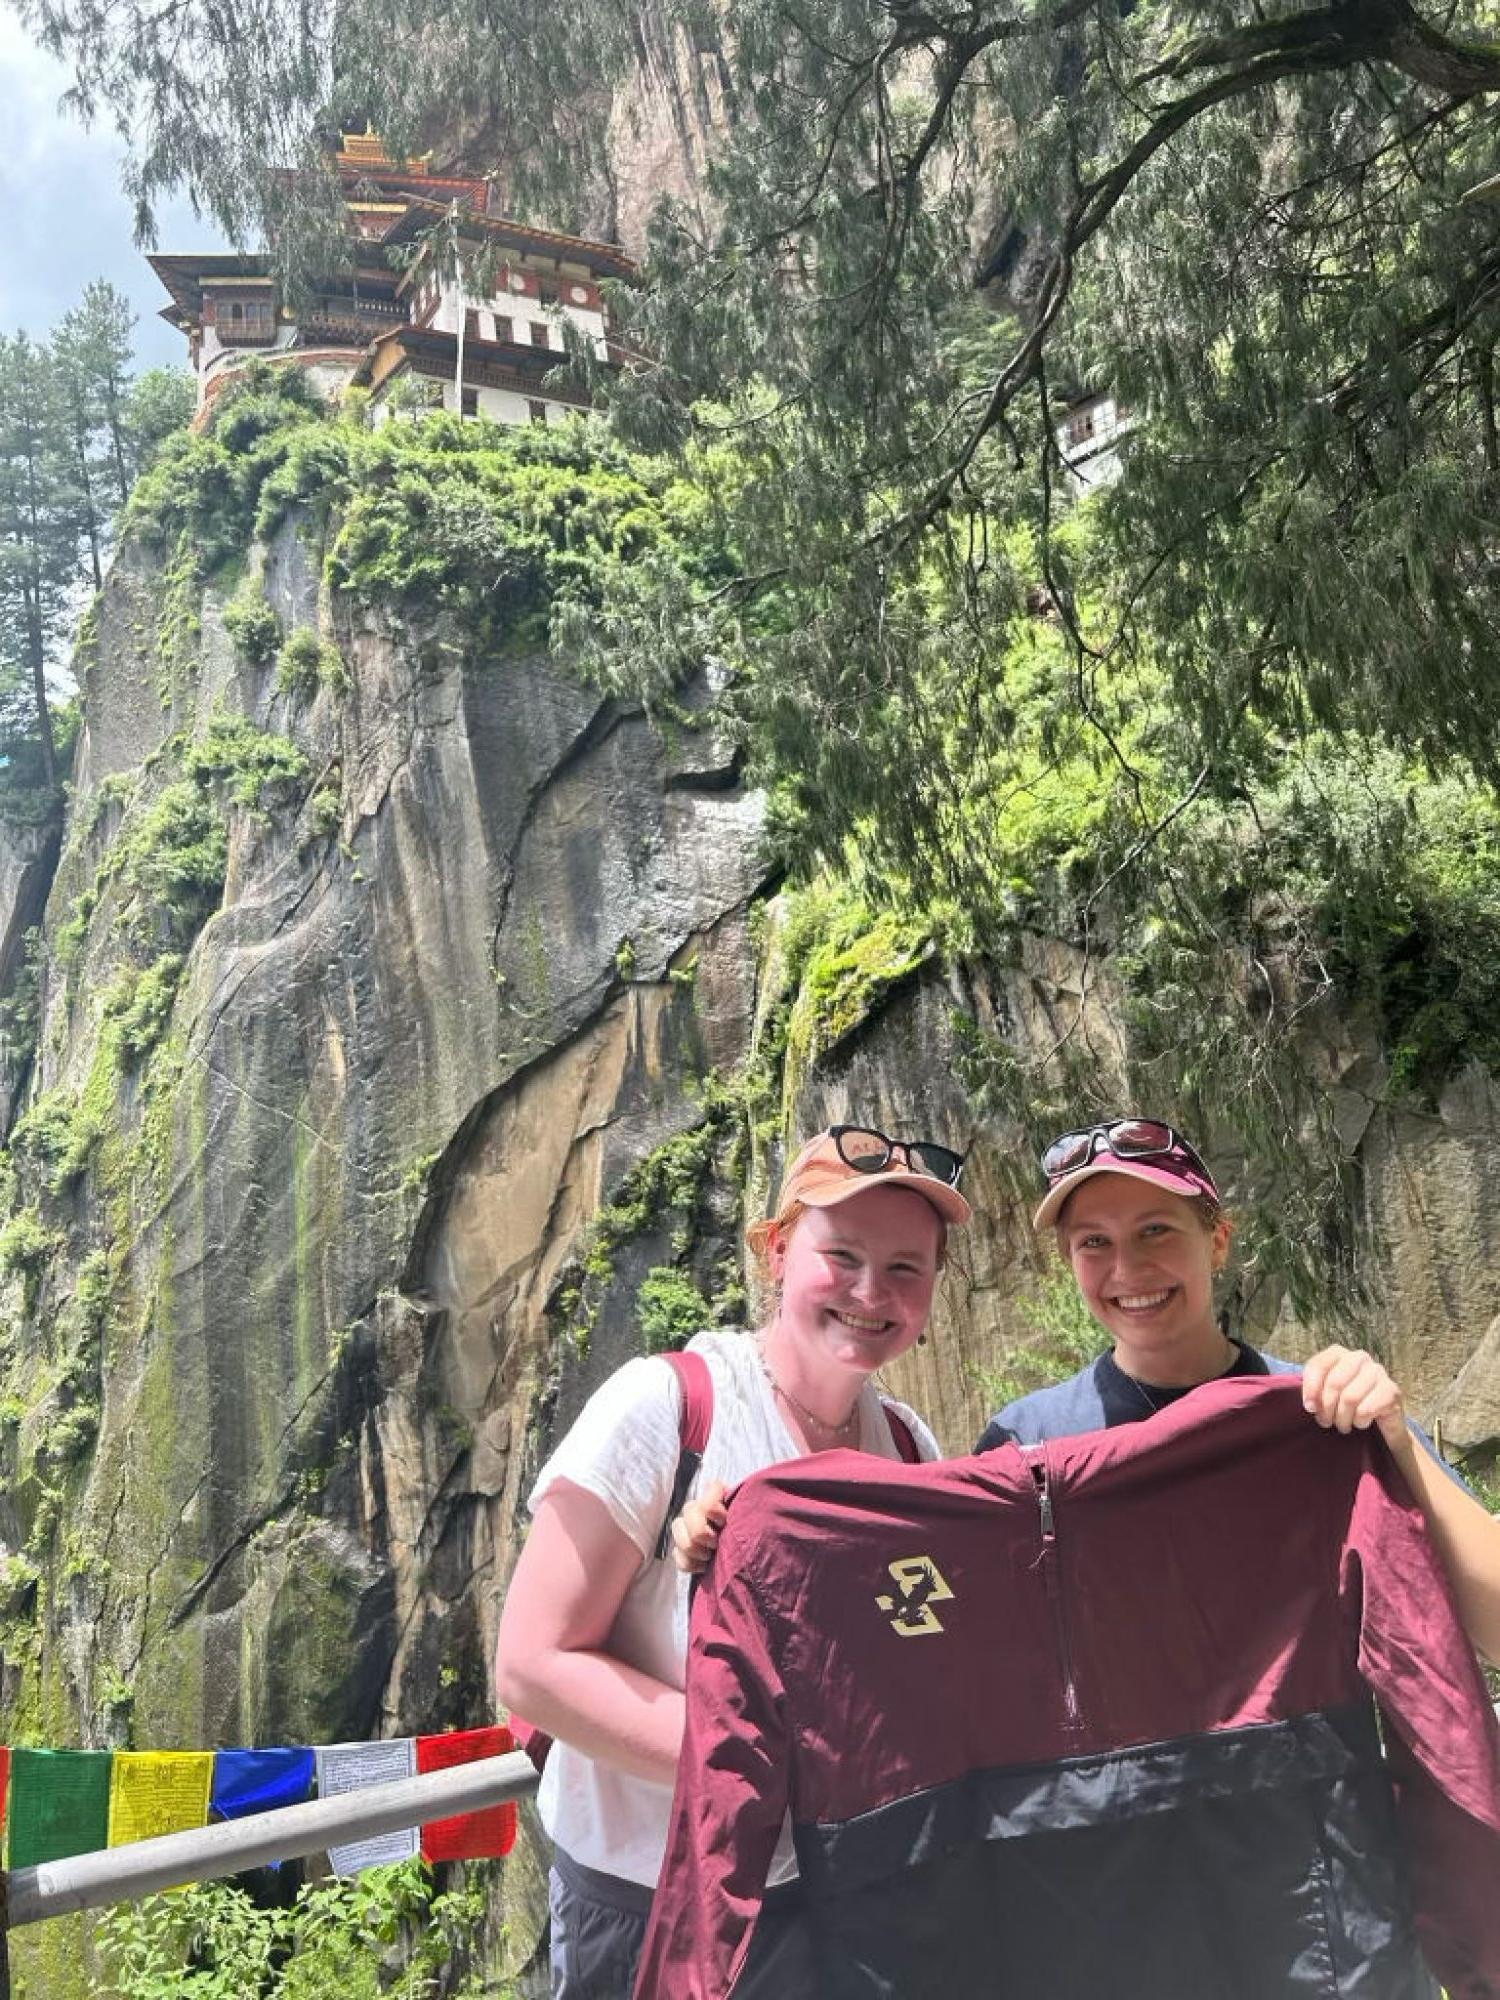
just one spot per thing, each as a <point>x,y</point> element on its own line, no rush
<point>920,1585</point>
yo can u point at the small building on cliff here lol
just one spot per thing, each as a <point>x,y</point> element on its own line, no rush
<point>440,303</point>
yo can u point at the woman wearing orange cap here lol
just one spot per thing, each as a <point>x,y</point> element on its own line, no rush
<point>593,1635</point>
<point>1138,1219</point>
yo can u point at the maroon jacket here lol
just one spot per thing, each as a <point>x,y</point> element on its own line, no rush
<point>1090,1719</point>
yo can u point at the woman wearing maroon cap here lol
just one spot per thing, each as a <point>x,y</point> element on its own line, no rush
<point>593,1634</point>
<point>1138,1219</point>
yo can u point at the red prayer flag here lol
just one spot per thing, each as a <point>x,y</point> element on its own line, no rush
<point>4,1786</point>
<point>466,1836</point>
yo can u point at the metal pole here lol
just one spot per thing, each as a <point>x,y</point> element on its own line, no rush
<point>143,1867</point>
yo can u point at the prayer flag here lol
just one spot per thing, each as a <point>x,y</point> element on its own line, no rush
<point>349,1767</point>
<point>252,1781</point>
<point>158,1791</point>
<point>466,1836</point>
<point>4,1787</point>
<point>59,1804</point>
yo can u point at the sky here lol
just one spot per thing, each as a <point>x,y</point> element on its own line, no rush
<point>65,219</point>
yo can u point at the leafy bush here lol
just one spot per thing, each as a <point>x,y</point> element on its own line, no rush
<point>253,626</point>
<point>308,661</point>
<point>203,492</point>
<point>59,1134</point>
<point>26,1243</point>
<point>1064,1337</point>
<point>324,812</point>
<point>139,1004</point>
<point>69,1436</point>
<point>19,1577</point>
<point>669,1309</point>
<point>173,859</point>
<point>384,1934</point>
<point>251,762</point>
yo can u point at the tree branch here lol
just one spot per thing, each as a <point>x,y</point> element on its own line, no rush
<point>1354,31</point>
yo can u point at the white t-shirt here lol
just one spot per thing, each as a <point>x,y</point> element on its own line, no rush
<point>624,1449</point>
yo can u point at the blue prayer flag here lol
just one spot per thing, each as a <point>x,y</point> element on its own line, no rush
<point>252,1781</point>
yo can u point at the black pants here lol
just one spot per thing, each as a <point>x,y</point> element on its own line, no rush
<point>599,1926</point>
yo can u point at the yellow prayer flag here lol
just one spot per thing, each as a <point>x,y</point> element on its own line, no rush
<point>158,1791</point>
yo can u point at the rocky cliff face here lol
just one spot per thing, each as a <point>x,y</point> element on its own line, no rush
<point>655,133</point>
<point>286,1320</point>
<point>410,1038</point>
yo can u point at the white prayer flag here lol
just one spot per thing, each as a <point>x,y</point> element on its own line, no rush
<point>349,1767</point>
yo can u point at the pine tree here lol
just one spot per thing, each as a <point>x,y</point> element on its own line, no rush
<point>75,431</point>
<point>78,391</point>
<point>93,345</point>
<point>159,402</point>
<point>39,529</point>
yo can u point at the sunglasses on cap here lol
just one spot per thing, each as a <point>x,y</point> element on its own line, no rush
<point>871,1152</point>
<point>1123,1139</point>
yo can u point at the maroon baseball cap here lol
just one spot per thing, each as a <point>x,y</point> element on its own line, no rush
<point>1148,1150</point>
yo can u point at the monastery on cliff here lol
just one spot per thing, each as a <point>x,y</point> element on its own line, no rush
<point>403,320</point>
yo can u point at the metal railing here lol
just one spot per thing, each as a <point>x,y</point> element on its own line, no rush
<point>143,1867</point>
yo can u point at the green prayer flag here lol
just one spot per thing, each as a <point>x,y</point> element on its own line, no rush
<point>59,1804</point>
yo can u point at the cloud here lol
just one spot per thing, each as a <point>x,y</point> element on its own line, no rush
<point>66,219</point>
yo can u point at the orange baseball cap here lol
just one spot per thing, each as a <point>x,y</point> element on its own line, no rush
<point>820,1177</point>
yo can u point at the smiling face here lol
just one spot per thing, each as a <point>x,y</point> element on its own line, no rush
<point>856,1279</point>
<point>1145,1263</point>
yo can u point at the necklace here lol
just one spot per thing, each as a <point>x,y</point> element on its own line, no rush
<point>1144,1393</point>
<point>1157,1398</point>
<point>843,1430</point>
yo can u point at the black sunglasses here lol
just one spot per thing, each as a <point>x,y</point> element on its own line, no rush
<point>870,1152</point>
<point>1126,1139</point>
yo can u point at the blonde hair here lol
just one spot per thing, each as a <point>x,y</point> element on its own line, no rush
<point>758,1237</point>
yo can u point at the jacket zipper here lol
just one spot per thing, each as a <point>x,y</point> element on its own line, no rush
<point>1052,1577</point>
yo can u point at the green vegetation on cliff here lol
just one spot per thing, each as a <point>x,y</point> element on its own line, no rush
<point>493,524</point>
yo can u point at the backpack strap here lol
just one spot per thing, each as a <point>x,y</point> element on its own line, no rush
<point>697,1387</point>
<point>696,1422</point>
<point>905,1443</point>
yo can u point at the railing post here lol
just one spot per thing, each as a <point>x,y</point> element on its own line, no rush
<point>228,1847</point>
<point>4,1936</point>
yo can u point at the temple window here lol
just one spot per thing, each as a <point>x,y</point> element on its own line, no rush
<point>246,322</point>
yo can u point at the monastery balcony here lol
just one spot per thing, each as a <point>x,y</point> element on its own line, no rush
<point>346,316</point>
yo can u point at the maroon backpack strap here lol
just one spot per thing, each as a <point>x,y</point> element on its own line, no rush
<point>691,1370</point>
<point>535,1742</point>
<point>696,1422</point>
<point>905,1443</point>
<point>697,1419</point>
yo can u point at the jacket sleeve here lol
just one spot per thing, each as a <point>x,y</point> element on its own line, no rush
<point>731,1796</point>
<point>1442,1743</point>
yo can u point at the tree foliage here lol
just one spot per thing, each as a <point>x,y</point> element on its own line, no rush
<point>74,433</point>
<point>1222,724</point>
<point>1254,227</point>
